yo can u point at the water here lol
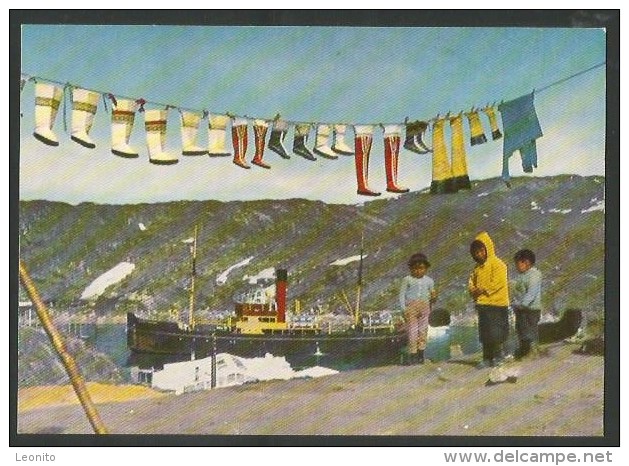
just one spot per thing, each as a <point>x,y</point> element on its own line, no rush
<point>111,339</point>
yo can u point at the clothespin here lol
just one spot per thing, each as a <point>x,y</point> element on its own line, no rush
<point>277,117</point>
<point>141,102</point>
<point>205,114</point>
<point>113,99</point>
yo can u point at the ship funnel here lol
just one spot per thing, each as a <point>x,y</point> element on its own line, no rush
<point>281,279</point>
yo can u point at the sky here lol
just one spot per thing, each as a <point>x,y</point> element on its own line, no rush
<point>353,75</point>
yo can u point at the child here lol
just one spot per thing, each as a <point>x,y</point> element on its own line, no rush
<point>527,301</point>
<point>416,294</point>
<point>489,287</point>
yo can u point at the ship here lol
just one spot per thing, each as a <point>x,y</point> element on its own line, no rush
<point>261,325</point>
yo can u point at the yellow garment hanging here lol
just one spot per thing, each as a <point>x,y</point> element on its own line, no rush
<point>460,176</point>
<point>477,133</point>
<point>441,170</point>
<point>493,122</point>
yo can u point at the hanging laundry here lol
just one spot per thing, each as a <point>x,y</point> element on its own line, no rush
<point>322,142</point>
<point>240,141</point>
<point>217,135</point>
<point>521,127</point>
<point>413,140</point>
<point>122,119</point>
<point>391,155</point>
<point>477,133</point>
<point>363,139</point>
<point>47,100</point>
<point>299,142</point>
<point>460,177</point>
<point>441,170</point>
<point>493,122</point>
<point>338,145</point>
<point>278,134</point>
<point>189,130</point>
<point>422,126</point>
<point>84,105</point>
<point>260,128</point>
<point>155,124</point>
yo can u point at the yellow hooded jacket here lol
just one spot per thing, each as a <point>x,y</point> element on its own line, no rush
<point>492,276</point>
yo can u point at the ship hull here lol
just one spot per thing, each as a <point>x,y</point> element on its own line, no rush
<point>301,348</point>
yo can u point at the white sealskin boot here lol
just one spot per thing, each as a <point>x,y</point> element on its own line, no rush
<point>155,124</point>
<point>240,141</point>
<point>84,105</point>
<point>322,146</point>
<point>189,131</point>
<point>122,118</point>
<point>217,135</point>
<point>339,146</point>
<point>47,100</point>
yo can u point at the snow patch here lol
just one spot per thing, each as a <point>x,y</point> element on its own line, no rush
<point>347,260</point>
<point>112,276</point>
<point>222,278</point>
<point>268,274</point>
<point>560,211</point>
<point>600,205</point>
<point>534,205</point>
<point>141,226</point>
<point>482,194</point>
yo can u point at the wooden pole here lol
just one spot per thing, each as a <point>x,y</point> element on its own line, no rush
<point>360,279</point>
<point>192,280</point>
<point>66,358</point>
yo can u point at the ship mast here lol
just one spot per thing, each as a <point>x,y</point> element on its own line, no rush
<point>360,279</point>
<point>193,250</point>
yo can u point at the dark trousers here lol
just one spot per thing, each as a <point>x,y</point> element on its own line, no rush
<point>493,329</point>
<point>526,325</point>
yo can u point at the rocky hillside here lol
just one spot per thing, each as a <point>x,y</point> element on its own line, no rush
<point>562,218</point>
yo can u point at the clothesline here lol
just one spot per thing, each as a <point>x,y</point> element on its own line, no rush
<point>292,122</point>
<point>568,78</point>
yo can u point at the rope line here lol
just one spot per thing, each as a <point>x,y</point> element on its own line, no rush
<point>204,112</point>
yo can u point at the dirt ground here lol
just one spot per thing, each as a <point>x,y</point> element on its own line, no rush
<point>556,394</point>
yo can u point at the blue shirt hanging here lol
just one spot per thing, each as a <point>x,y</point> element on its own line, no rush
<point>521,129</point>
